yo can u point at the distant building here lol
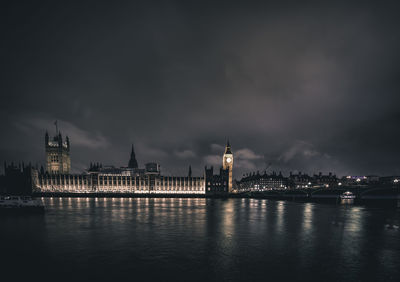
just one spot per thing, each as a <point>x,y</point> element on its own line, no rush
<point>327,181</point>
<point>300,180</point>
<point>393,181</point>
<point>370,181</point>
<point>354,180</point>
<point>57,154</point>
<point>261,182</point>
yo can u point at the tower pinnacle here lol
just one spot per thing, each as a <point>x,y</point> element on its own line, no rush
<point>132,161</point>
<point>228,148</point>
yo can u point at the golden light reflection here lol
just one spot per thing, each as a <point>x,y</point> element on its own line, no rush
<point>280,213</point>
<point>253,203</point>
<point>244,203</point>
<point>307,218</point>
<point>353,220</point>
<point>228,219</point>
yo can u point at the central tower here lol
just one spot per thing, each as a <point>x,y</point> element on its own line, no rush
<point>227,163</point>
<point>57,154</point>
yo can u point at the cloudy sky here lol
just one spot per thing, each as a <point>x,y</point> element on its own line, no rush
<point>295,85</point>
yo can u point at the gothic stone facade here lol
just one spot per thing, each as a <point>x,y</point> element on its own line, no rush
<point>57,178</point>
<point>117,183</point>
<point>57,154</point>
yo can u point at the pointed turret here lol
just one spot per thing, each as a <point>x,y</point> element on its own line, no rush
<point>228,148</point>
<point>59,139</point>
<point>132,161</point>
<point>190,171</point>
<point>67,142</point>
<point>46,138</point>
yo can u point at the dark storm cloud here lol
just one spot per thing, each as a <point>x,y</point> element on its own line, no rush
<point>304,86</point>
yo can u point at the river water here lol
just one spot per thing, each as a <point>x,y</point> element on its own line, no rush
<point>142,239</point>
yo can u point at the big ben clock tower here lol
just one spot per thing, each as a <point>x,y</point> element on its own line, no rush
<point>227,163</point>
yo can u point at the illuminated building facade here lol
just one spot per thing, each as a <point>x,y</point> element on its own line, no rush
<point>262,182</point>
<point>130,179</point>
<point>118,183</point>
<point>57,154</point>
<point>227,164</point>
<point>321,180</point>
<point>276,181</point>
<point>360,181</point>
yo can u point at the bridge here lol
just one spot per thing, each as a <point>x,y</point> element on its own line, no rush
<point>320,194</point>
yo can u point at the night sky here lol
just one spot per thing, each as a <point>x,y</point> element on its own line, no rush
<point>303,86</point>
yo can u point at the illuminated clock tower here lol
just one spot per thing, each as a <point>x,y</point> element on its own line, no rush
<point>227,163</point>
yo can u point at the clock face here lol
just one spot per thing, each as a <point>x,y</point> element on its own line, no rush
<point>228,160</point>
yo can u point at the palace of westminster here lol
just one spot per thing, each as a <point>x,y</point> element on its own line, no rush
<point>131,179</point>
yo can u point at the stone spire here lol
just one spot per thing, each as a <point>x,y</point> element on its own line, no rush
<point>132,161</point>
<point>228,148</point>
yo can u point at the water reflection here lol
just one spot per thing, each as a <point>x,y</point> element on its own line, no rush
<point>307,219</point>
<point>354,221</point>
<point>228,219</point>
<point>347,201</point>
<point>211,239</point>
<point>280,217</point>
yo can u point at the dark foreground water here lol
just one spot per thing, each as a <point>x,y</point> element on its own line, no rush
<point>200,240</point>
